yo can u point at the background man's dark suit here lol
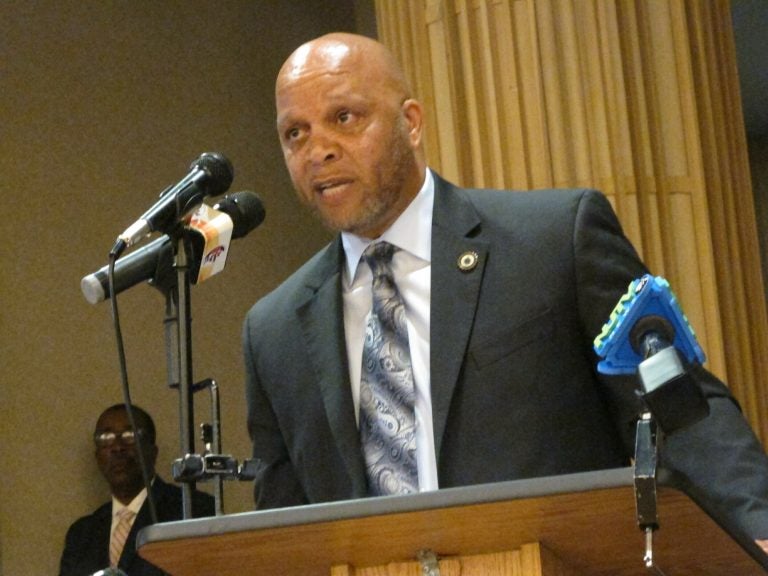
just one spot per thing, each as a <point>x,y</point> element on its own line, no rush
<point>514,389</point>
<point>87,544</point>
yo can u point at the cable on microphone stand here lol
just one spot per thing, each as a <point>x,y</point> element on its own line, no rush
<point>126,389</point>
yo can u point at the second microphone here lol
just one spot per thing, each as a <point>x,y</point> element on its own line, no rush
<point>154,262</point>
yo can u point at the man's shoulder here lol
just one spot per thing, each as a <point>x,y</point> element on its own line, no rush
<point>514,198</point>
<point>301,284</point>
<point>86,523</point>
<point>555,198</point>
<point>169,501</point>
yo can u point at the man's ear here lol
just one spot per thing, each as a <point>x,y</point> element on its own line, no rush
<point>414,117</point>
<point>152,452</point>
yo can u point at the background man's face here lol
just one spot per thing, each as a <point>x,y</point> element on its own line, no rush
<point>119,461</point>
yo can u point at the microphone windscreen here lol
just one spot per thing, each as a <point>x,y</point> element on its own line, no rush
<point>246,210</point>
<point>220,170</point>
<point>652,323</point>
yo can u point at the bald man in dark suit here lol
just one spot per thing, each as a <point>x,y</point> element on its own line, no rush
<point>503,294</point>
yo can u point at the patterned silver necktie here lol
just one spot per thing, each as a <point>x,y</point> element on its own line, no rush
<point>387,420</point>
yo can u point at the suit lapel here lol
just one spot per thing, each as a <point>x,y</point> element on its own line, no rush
<point>130,555</point>
<point>322,320</point>
<point>100,542</point>
<point>455,293</point>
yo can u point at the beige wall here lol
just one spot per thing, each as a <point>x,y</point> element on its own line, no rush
<point>102,105</point>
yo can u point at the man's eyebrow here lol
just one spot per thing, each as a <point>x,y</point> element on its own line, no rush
<point>283,121</point>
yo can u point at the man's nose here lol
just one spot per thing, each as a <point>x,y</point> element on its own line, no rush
<point>118,446</point>
<point>323,147</point>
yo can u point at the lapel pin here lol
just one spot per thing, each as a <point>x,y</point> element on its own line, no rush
<point>467,261</point>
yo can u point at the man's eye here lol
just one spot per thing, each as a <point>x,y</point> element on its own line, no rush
<point>292,134</point>
<point>345,116</point>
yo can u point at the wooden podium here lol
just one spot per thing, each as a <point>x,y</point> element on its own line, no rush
<point>579,524</point>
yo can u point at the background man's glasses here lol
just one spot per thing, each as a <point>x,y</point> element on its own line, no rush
<point>108,438</point>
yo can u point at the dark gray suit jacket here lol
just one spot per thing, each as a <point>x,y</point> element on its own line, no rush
<point>515,392</point>
<point>86,548</point>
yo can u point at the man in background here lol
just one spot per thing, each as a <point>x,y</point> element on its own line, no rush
<point>107,537</point>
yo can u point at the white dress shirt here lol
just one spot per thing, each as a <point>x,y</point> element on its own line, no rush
<point>134,505</point>
<point>411,267</point>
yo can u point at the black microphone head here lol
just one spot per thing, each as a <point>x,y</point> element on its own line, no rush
<point>246,210</point>
<point>220,170</point>
<point>647,325</point>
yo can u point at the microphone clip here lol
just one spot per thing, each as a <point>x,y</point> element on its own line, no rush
<point>212,465</point>
<point>670,392</point>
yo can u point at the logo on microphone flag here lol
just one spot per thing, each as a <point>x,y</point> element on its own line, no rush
<point>216,230</point>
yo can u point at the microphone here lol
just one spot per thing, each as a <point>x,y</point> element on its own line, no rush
<point>647,334</point>
<point>154,262</point>
<point>210,175</point>
<point>649,307</point>
<point>246,210</point>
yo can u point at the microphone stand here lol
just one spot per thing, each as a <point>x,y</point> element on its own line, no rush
<point>644,476</point>
<point>192,467</point>
<point>672,401</point>
<point>178,351</point>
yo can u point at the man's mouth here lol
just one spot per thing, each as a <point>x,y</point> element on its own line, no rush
<point>330,188</point>
<point>120,464</point>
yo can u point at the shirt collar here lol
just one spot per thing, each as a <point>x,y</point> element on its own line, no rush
<point>134,505</point>
<point>411,232</point>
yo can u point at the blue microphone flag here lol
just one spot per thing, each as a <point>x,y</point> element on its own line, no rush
<point>646,296</point>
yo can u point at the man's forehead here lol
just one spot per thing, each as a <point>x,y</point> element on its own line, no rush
<point>116,418</point>
<point>329,56</point>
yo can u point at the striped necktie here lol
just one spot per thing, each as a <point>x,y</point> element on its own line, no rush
<point>119,535</point>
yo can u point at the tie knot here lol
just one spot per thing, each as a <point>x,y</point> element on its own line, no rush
<point>125,514</point>
<point>379,256</point>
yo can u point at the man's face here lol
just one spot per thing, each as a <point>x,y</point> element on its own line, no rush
<point>118,460</point>
<point>349,142</point>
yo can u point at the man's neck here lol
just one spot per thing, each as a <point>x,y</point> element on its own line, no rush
<point>128,494</point>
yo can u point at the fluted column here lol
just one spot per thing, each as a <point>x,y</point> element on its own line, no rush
<point>638,99</point>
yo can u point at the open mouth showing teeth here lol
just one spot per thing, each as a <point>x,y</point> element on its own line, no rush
<point>329,187</point>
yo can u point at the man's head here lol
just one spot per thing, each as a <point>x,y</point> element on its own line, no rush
<point>116,450</point>
<point>350,132</point>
